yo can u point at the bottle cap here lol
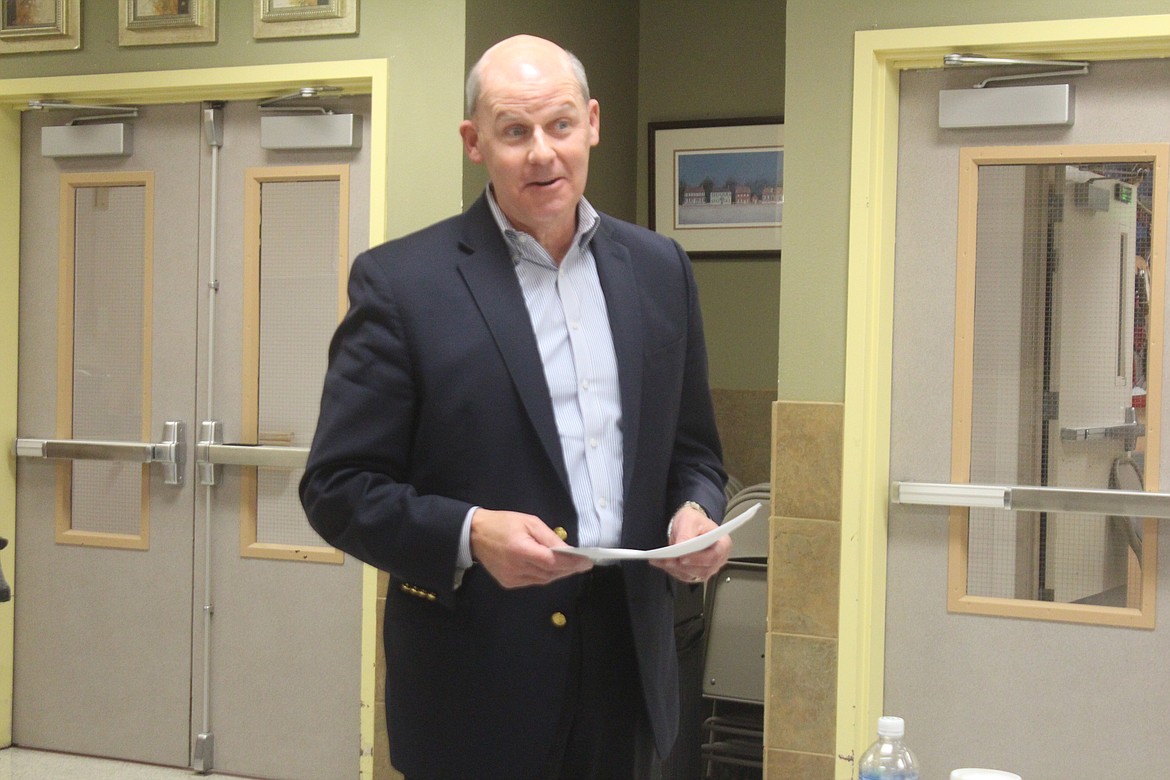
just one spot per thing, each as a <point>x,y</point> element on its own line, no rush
<point>891,726</point>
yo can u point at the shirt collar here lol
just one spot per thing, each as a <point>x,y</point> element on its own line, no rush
<point>588,222</point>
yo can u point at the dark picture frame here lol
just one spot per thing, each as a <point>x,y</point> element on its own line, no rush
<point>717,186</point>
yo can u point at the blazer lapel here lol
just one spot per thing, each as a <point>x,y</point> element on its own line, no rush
<point>623,303</point>
<point>488,272</point>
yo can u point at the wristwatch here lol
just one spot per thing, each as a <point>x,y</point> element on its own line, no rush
<point>689,505</point>
<point>694,505</point>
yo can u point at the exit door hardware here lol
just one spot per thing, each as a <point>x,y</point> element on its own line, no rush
<point>211,453</point>
<point>1029,498</point>
<point>203,758</point>
<point>1130,431</point>
<point>304,93</point>
<point>213,124</point>
<point>74,139</point>
<point>104,112</point>
<point>171,452</point>
<point>1065,67</point>
<point>1024,106</point>
<point>307,126</point>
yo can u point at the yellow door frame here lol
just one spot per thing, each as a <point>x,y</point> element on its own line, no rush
<point>178,86</point>
<point>879,56</point>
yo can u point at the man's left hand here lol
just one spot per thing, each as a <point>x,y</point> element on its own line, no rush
<point>700,566</point>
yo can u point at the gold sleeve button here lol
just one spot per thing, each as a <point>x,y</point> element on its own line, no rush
<point>417,592</point>
<point>558,619</point>
<point>561,532</point>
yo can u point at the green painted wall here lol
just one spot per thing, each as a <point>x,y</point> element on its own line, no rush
<point>704,60</point>
<point>819,92</point>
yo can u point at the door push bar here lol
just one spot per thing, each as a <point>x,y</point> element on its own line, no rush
<point>1026,498</point>
<point>211,453</point>
<point>171,452</point>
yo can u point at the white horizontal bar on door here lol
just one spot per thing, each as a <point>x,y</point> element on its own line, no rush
<point>1026,498</point>
<point>262,455</point>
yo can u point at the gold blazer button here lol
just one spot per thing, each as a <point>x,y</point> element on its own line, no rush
<point>561,532</point>
<point>558,619</point>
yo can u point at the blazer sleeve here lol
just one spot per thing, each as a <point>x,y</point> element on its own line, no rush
<point>355,488</point>
<point>696,469</point>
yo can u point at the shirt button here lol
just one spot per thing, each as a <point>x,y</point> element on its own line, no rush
<point>593,443</point>
<point>585,384</point>
<point>561,532</point>
<point>601,502</point>
<point>558,619</point>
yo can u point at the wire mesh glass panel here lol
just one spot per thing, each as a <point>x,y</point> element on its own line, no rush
<point>1058,372</point>
<point>109,330</point>
<point>299,263</point>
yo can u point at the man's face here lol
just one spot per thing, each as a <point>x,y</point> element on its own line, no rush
<point>533,130</point>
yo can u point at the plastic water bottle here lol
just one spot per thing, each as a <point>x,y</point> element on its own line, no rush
<point>888,758</point>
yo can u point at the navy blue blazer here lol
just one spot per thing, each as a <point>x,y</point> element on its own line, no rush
<point>434,401</point>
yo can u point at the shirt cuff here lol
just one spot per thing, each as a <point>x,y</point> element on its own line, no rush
<point>464,562</point>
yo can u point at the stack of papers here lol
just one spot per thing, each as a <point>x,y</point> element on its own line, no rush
<point>700,542</point>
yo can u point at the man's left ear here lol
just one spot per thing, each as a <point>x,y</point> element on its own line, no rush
<point>595,121</point>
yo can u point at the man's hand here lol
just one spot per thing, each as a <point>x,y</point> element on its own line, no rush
<point>516,549</point>
<point>700,566</point>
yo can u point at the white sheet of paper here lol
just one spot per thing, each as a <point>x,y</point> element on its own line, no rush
<point>694,544</point>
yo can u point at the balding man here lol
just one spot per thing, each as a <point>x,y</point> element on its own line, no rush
<point>527,376</point>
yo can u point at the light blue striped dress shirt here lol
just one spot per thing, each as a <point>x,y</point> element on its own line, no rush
<point>567,309</point>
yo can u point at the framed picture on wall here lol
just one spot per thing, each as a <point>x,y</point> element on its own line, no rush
<point>717,186</point>
<point>151,22</point>
<point>39,25</point>
<point>302,18</point>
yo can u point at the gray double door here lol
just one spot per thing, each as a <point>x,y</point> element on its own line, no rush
<point>171,610</point>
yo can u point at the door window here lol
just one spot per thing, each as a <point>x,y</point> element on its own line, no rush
<point>104,367</point>
<point>1057,366</point>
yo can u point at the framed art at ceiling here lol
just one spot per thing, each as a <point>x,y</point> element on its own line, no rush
<point>152,22</point>
<point>39,25</point>
<point>303,18</point>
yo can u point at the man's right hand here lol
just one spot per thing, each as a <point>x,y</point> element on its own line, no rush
<point>516,549</point>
